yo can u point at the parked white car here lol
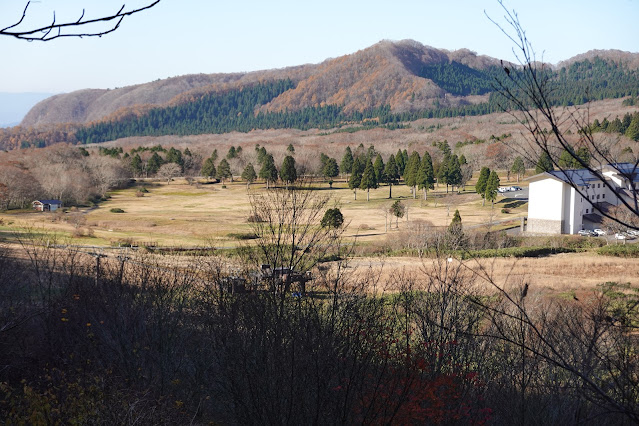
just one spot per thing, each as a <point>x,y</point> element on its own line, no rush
<point>633,232</point>
<point>503,189</point>
<point>599,232</point>
<point>620,236</point>
<point>586,233</point>
<point>515,188</point>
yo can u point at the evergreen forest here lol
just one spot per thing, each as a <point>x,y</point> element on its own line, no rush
<point>235,110</point>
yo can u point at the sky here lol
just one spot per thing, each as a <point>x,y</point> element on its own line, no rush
<point>180,37</point>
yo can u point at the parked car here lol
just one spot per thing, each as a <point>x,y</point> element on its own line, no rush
<point>620,236</point>
<point>503,189</point>
<point>586,233</point>
<point>633,232</point>
<point>515,188</point>
<point>599,232</point>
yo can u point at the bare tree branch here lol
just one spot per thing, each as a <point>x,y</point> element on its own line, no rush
<point>57,30</point>
<point>526,91</point>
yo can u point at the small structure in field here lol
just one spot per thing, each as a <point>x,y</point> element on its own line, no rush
<point>281,278</point>
<point>47,205</point>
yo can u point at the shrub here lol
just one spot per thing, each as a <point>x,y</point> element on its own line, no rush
<point>242,236</point>
<point>254,219</point>
<point>516,252</point>
<point>139,193</point>
<point>116,210</point>
<point>505,210</point>
<point>628,250</point>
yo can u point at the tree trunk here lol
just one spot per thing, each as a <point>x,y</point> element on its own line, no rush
<point>368,194</point>
<point>355,193</point>
<point>390,190</point>
<point>414,192</point>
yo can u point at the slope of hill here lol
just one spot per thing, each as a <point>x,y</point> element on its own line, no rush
<point>385,84</point>
<point>14,106</point>
<point>387,73</point>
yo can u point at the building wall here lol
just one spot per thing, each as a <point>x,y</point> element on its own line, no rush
<point>544,226</point>
<point>546,206</point>
<point>573,213</point>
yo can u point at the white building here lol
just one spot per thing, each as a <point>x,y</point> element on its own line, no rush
<point>555,206</point>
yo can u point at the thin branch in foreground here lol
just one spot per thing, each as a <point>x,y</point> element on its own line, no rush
<point>56,30</point>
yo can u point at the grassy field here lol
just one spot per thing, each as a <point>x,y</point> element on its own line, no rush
<point>179,214</point>
<point>580,273</point>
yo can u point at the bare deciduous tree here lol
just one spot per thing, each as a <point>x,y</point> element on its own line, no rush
<point>526,90</point>
<point>168,171</point>
<point>287,223</point>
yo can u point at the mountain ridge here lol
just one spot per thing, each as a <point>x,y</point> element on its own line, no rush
<point>388,73</point>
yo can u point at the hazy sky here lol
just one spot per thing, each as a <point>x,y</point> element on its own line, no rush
<point>191,36</point>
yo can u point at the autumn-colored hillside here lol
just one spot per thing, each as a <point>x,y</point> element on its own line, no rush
<point>405,76</point>
<point>386,73</point>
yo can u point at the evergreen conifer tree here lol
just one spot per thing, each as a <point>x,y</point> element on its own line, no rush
<point>368,180</point>
<point>249,175</point>
<point>480,186</point>
<point>391,174</point>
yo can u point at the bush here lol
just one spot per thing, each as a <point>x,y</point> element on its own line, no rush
<point>143,189</point>
<point>627,250</point>
<point>242,236</point>
<point>116,210</point>
<point>254,219</point>
<point>516,252</point>
<point>505,210</point>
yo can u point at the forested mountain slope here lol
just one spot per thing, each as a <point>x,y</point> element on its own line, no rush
<point>385,84</point>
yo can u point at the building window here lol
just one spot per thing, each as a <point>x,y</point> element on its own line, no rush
<point>597,196</point>
<point>586,211</point>
<point>603,196</point>
<point>598,185</point>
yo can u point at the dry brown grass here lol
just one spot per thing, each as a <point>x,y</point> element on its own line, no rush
<point>579,272</point>
<point>179,214</point>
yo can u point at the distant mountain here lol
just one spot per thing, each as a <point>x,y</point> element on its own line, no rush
<point>387,73</point>
<point>385,84</point>
<point>14,106</point>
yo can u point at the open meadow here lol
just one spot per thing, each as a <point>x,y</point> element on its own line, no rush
<point>179,214</point>
<point>216,215</point>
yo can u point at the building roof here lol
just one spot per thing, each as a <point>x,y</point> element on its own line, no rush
<point>585,176</point>
<point>628,170</point>
<point>574,177</point>
<point>48,201</point>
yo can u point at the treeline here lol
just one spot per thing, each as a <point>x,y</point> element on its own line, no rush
<point>59,172</point>
<point>628,125</point>
<point>29,137</point>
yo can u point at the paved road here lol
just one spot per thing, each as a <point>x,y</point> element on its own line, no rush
<point>517,195</point>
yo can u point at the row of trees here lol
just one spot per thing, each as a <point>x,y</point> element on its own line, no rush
<point>628,126</point>
<point>417,172</point>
